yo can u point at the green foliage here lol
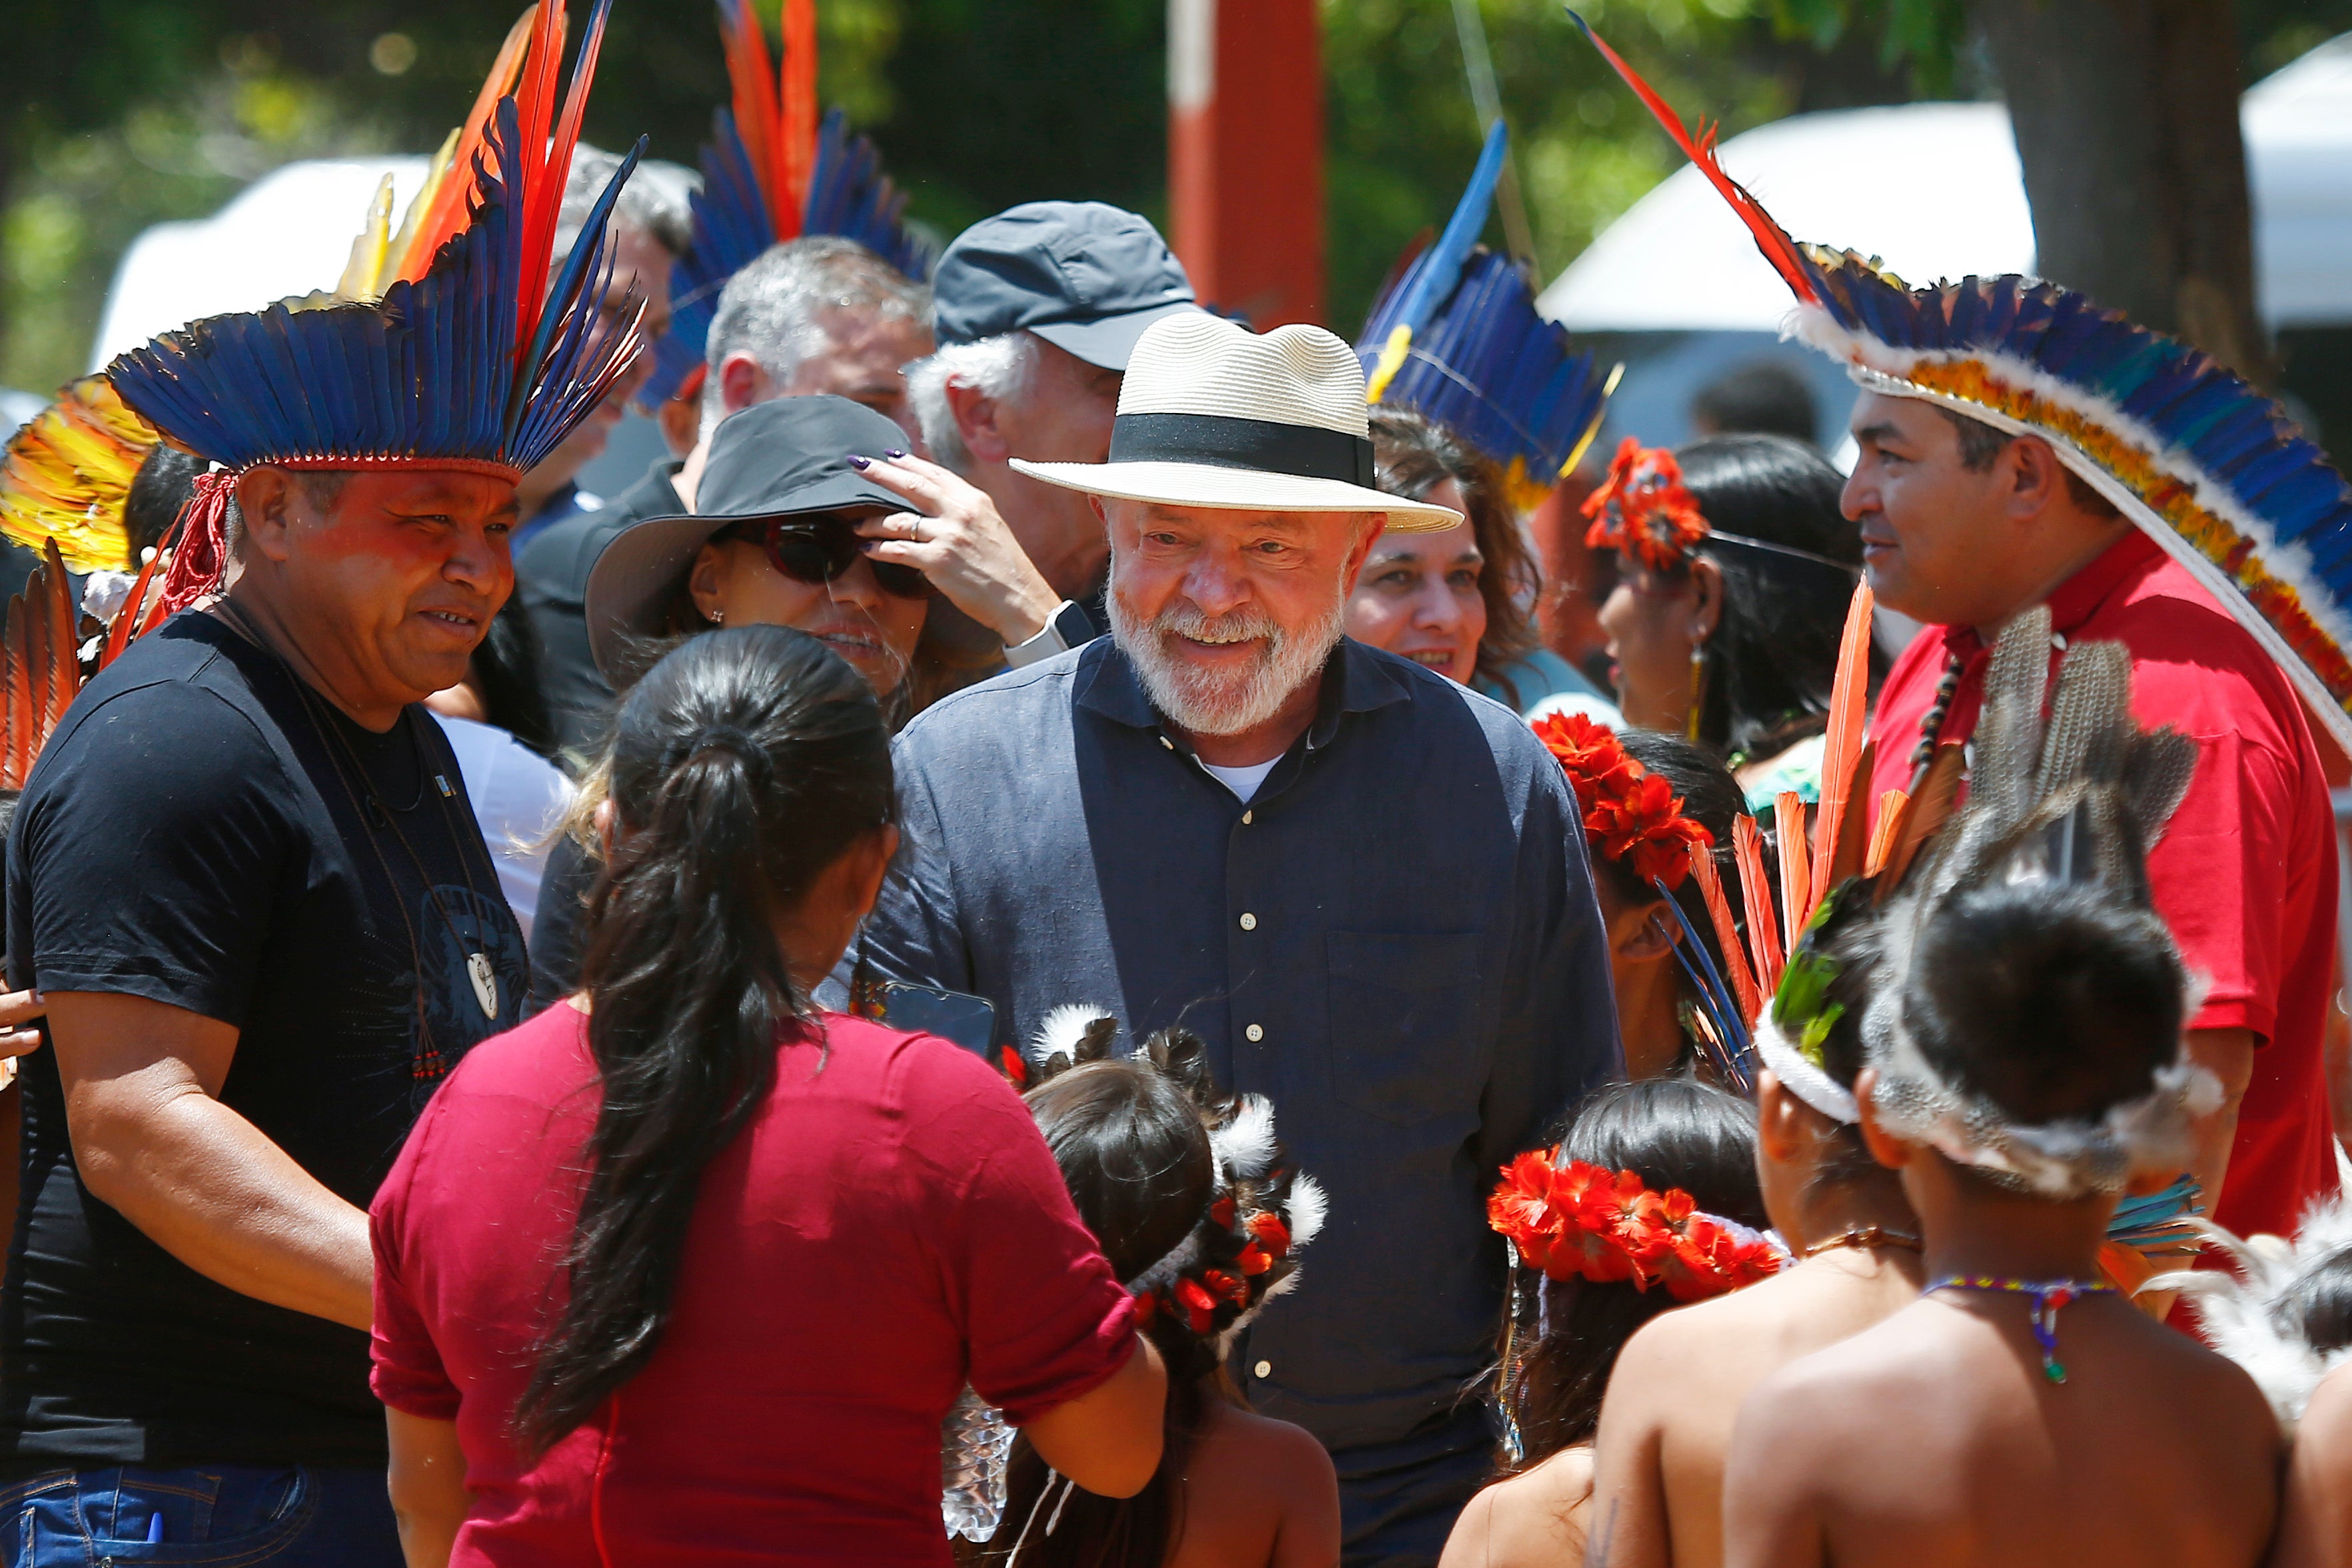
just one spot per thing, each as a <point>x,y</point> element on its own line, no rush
<point>1403,134</point>
<point>126,112</point>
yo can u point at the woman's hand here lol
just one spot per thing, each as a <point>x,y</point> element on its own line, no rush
<point>961,544</point>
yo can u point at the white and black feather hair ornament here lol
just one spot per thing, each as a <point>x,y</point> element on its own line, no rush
<point>1262,1210</point>
<point>2075,798</point>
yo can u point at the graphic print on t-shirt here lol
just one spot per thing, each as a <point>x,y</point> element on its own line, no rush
<point>453,923</point>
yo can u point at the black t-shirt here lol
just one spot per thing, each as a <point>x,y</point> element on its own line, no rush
<point>552,581</point>
<point>187,838</point>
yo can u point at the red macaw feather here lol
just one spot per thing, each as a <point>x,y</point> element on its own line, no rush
<point>755,107</point>
<point>1850,847</point>
<point>797,117</point>
<point>24,706</point>
<point>64,644</point>
<point>1893,808</point>
<point>1849,693</point>
<point>1770,238</point>
<point>1727,933</point>
<point>1932,802</point>
<point>134,607</point>
<point>543,178</point>
<point>1756,892</point>
<point>1796,867</point>
<point>453,203</point>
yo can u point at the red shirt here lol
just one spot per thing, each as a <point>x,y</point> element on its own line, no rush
<point>2245,874</point>
<point>890,1227</point>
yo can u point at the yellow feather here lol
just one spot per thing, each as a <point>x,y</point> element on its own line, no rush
<point>363,274</point>
<point>1391,361</point>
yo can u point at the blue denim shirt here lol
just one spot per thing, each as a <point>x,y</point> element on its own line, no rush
<point>1395,941</point>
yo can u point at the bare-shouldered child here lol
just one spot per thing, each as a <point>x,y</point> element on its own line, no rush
<point>1257,1493</point>
<point>1584,1298</point>
<point>2020,1414</point>
<point>1657,1488</point>
<point>1197,1206</point>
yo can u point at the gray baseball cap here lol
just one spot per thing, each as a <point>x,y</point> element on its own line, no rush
<point>1085,276</point>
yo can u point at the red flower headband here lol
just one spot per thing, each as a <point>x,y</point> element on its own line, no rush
<point>1643,508</point>
<point>1577,1221</point>
<point>1628,809</point>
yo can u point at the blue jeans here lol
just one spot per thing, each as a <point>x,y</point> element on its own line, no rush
<point>210,1516</point>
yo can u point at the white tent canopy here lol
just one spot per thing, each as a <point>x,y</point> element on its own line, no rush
<point>287,232</point>
<point>1934,190</point>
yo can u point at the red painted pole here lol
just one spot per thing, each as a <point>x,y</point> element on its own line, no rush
<point>1246,155</point>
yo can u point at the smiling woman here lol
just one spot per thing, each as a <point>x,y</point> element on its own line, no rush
<point>1461,601</point>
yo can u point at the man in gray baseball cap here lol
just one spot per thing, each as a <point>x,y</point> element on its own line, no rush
<point>1036,310</point>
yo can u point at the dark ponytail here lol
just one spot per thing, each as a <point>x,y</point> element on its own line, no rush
<point>743,764</point>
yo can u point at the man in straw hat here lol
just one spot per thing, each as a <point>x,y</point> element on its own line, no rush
<point>1362,885</point>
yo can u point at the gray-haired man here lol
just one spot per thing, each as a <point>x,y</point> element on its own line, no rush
<point>1036,311</point>
<point>820,314</point>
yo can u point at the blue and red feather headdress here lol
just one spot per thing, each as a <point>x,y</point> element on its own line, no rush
<point>2211,468</point>
<point>772,172</point>
<point>469,360</point>
<point>1456,340</point>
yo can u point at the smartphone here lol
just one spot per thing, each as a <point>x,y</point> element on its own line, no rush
<point>969,1020</point>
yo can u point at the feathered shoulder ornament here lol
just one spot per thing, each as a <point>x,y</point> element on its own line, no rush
<point>2263,1317</point>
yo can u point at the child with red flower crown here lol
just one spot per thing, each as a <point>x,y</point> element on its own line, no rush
<point>1648,799</point>
<point>1195,1203</point>
<point>1648,1202</point>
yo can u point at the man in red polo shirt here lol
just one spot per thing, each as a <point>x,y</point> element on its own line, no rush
<point>1963,525</point>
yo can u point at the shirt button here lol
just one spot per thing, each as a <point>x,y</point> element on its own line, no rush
<point>1249,921</point>
<point>1254,1034</point>
<point>1264,1369</point>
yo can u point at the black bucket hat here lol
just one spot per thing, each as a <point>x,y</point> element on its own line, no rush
<point>788,457</point>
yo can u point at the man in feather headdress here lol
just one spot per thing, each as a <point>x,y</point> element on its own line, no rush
<point>244,876</point>
<point>2022,446</point>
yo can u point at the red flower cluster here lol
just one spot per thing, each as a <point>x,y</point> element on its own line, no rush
<point>1628,809</point>
<point>1578,1220</point>
<point>1196,1300</point>
<point>1641,509</point>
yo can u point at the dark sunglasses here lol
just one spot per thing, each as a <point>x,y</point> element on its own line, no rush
<point>817,550</point>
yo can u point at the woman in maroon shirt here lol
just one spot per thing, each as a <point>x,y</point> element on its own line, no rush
<point>686,1271</point>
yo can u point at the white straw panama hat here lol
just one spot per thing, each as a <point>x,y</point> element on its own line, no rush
<point>1212,414</point>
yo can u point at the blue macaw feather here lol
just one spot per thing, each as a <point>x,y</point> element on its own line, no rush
<point>571,297</point>
<point>1441,267</point>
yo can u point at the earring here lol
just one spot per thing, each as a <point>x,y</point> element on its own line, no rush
<point>719,618</point>
<point>1697,684</point>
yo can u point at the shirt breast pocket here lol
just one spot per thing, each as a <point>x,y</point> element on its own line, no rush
<point>1404,1024</point>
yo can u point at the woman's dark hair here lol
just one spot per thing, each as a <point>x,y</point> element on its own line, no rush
<point>2055,1002</point>
<point>505,675</point>
<point>1672,1133</point>
<point>742,765</point>
<point>1411,457</point>
<point>1712,798</point>
<point>1773,655</point>
<point>165,480</point>
<point>1135,1154</point>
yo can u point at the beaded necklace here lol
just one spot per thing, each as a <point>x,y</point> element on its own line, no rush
<point>1931,723</point>
<point>2048,1295</point>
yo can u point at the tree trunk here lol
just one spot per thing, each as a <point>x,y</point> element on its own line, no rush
<point>2126,113</point>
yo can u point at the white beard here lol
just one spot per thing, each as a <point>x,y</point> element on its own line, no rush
<point>1203,703</point>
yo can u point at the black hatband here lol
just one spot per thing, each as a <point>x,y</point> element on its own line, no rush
<point>1269,446</point>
